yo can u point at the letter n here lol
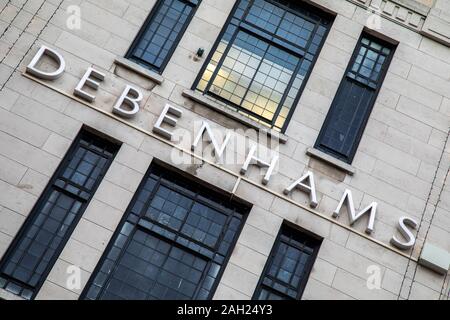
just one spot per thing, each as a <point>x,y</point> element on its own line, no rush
<point>218,150</point>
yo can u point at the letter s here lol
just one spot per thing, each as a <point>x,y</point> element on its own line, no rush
<point>403,224</point>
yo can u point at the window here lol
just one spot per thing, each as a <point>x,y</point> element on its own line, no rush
<point>173,243</point>
<point>351,108</point>
<point>40,241</point>
<point>289,266</point>
<point>264,57</point>
<point>160,34</point>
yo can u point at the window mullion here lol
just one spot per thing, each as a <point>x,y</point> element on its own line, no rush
<point>222,59</point>
<point>265,107</point>
<point>33,262</point>
<point>256,73</point>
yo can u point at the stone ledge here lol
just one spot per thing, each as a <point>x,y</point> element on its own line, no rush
<point>331,160</point>
<point>199,98</point>
<point>437,28</point>
<point>435,258</point>
<point>408,13</point>
<point>414,5</point>
<point>130,65</point>
<point>427,20</point>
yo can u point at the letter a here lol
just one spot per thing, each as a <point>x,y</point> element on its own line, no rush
<point>301,185</point>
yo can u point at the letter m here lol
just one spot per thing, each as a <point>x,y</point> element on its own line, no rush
<point>348,200</point>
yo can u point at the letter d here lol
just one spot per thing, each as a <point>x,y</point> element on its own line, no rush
<point>32,69</point>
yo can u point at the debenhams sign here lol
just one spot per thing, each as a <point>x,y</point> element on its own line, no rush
<point>128,105</point>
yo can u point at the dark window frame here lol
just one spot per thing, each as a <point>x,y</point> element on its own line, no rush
<point>392,45</point>
<point>240,27</point>
<point>301,233</point>
<point>51,187</point>
<point>185,180</point>
<point>143,29</point>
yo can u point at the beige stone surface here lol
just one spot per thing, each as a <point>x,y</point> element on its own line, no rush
<point>402,161</point>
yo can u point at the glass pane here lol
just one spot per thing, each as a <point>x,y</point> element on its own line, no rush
<point>40,238</point>
<point>256,76</point>
<point>173,244</point>
<point>46,228</point>
<point>354,100</point>
<point>159,35</point>
<point>369,62</point>
<point>290,262</point>
<point>152,269</point>
<point>261,75</point>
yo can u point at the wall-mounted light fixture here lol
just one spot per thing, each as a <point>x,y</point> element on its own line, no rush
<point>200,52</point>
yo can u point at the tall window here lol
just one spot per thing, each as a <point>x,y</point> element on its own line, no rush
<point>173,243</point>
<point>161,33</point>
<point>40,241</point>
<point>264,57</point>
<point>351,108</point>
<point>288,268</point>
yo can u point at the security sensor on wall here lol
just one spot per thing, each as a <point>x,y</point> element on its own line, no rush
<point>199,55</point>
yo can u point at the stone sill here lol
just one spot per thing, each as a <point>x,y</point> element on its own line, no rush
<point>414,5</point>
<point>202,99</point>
<point>435,258</point>
<point>5,295</point>
<point>146,73</point>
<point>437,28</point>
<point>331,160</point>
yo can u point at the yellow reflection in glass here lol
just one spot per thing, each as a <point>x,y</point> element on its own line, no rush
<point>253,82</point>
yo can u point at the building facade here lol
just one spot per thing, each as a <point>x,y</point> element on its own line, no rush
<point>227,150</point>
